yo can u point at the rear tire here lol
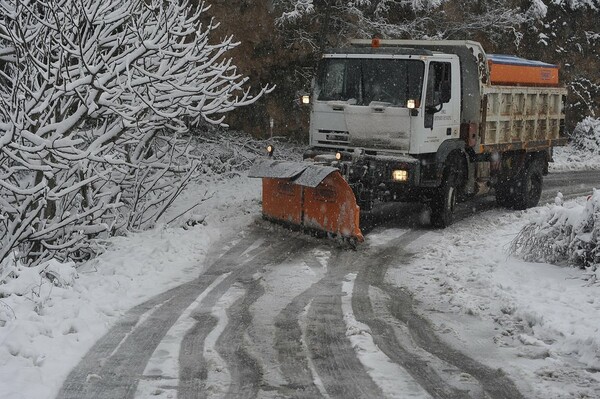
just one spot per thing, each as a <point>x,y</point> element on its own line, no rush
<point>504,194</point>
<point>524,190</point>
<point>529,186</point>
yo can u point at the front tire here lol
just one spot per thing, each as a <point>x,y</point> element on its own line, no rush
<point>443,204</point>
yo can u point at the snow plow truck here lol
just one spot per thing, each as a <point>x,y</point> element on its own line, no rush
<point>417,121</point>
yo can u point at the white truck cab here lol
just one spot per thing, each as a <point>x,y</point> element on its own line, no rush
<point>402,103</point>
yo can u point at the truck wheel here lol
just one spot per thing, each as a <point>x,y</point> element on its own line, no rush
<point>529,186</point>
<point>444,203</point>
<point>504,196</point>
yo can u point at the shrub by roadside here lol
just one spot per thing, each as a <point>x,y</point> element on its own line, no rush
<point>586,136</point>
<point>565,234</point>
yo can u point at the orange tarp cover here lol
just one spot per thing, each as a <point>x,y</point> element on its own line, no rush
<point>510,70</point>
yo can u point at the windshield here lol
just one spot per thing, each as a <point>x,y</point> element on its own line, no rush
<point>362,81</point>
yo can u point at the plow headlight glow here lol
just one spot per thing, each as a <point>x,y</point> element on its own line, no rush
<point>270,150</point>
<point>305,100</point>
<point>400,175</point>
<point>411,104</point>
<point>338,156</point>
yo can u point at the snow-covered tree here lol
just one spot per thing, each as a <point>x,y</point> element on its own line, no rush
<point>93,98</point>
<point>586,136</point>
<point>318,23</point>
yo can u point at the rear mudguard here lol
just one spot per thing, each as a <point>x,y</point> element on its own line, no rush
<point>309,196</point>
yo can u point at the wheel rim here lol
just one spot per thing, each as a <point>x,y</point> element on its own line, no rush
<point>450,202</point>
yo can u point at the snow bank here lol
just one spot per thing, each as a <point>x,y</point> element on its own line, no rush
<point>564,234</point>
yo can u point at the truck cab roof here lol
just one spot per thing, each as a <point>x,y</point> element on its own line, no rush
<point>384,50</point>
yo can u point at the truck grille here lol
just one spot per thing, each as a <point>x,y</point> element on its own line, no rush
<point>333,137</point>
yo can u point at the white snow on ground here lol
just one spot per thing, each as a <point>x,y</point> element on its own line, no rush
<point>219,378</point>
<point>164,362</point>
<point>538,322</point>
<point>47,330</point>
<point>393,379</point>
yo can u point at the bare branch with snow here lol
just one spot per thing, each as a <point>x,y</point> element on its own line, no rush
<point>92,98</point>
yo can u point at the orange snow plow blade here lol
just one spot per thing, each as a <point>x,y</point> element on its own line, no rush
<point>308,196</point>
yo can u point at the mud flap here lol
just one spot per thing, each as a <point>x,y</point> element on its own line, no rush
<point>309,196</point>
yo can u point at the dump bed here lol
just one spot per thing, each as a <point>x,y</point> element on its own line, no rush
<point>519,117</point>
<point>523,105</point>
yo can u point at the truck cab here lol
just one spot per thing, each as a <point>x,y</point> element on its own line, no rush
<point>387,100</point>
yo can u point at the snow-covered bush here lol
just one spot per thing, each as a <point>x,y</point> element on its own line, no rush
<point>564,234</point>
<point>586,136</point>
<point>223,153</point>
<point>93,96</point>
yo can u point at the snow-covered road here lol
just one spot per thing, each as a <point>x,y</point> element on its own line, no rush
<point>273,315</point>
<point>258,311</point>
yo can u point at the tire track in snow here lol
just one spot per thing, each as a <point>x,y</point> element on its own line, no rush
<point>373,273</point>
<point>163,365</point>
<point>315,356</point>
<point>114,365</point>
<point>106,373</point>
<point>291,349</point>
<point>343,375</point>
<point>246,372</point>
<point>494,383</point>
<point>194,375</point>
<point>281,284</point>
<point>394,380</point>
<point>219,376</point>
<point>311,366</point>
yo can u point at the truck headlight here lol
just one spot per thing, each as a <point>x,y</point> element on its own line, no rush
<point>270,150</point>
<point>411,104</point>
<point>400,175</point>
<point>305,100</point>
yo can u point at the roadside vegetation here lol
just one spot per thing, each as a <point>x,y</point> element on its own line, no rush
<point>95,98</point>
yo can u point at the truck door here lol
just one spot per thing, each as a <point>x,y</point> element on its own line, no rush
<point>442,102</point>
